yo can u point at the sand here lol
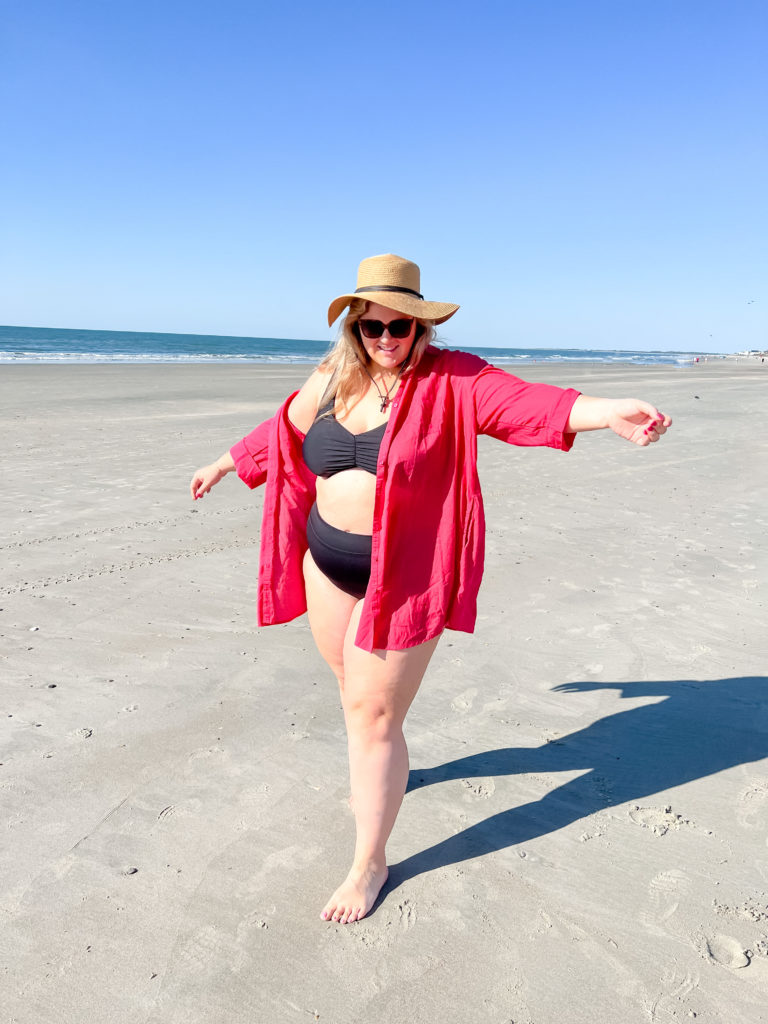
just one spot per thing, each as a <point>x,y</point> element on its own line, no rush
<point>585,835</point>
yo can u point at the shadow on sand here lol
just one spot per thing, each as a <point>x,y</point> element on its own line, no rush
<point>701,728</point>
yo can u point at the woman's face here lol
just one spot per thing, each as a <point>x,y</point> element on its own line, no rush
<point>386,352</point>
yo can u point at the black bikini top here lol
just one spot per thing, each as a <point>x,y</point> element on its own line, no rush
<point>330,448</point>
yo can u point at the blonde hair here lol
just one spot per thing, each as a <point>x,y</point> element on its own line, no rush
<point>347,361</point>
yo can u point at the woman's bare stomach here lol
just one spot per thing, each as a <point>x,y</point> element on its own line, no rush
<point>345,500</point>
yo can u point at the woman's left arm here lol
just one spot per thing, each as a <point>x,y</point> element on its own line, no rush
<point>636,421</point>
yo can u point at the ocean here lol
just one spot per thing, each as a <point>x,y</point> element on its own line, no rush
<point>62,345</point>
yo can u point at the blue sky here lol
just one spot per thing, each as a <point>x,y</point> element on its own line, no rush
<point>580,174</point>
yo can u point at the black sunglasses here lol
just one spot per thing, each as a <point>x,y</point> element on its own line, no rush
<point>373,329</point>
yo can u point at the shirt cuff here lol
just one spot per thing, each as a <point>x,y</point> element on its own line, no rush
<point>250,470</point>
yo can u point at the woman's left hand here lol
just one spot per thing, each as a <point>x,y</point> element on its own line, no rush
<point>636,421</point>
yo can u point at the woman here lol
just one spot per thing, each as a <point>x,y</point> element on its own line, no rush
<point>373,517</point>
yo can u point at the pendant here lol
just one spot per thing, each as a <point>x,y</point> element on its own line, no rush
<point>384,403</point>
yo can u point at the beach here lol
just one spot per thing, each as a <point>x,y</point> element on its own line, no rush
<point>585,834</point>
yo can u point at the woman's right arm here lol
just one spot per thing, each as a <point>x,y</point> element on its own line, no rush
<point>207,477</point>
<point>301,413</point>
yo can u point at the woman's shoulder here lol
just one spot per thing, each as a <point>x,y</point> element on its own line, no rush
<point>454,362</point>
<point>303,408</point>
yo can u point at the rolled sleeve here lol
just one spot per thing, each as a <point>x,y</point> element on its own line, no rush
<point>251,455</point>
<point>522,413</point>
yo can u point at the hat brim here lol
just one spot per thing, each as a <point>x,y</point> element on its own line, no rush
<point>437,312</point>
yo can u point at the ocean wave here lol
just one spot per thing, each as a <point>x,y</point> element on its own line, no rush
<point>154,357</point>
<point>302,358</point>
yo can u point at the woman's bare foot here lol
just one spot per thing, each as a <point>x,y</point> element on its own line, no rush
<point>356,894</point>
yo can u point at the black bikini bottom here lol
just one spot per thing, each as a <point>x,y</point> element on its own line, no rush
<point>345,558</point>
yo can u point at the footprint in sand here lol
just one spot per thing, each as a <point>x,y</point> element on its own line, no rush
<point>482,788</point>
<point>658,819</point>
<point>407,915</point>
<point>723,950</point>
<point>465,700</point>
<point>751,805</point>
<point>666,891</point>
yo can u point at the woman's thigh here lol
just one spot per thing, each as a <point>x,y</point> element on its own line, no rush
<point>382,683</point>
<point>330,610</point>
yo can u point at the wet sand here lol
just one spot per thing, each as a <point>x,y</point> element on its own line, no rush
<point>584,838</point>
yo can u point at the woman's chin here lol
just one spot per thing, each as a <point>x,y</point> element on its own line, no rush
<point>388,360</point>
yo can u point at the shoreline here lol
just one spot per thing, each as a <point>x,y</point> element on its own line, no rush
<point>501,360</point>
<point>726,363</point>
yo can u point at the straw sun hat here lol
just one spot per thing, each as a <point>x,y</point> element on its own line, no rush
<point>393,282</point>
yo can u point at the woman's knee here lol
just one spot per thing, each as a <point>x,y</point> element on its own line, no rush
<point>371,720</point>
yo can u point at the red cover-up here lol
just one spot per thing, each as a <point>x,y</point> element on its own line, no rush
<point>428,524</point>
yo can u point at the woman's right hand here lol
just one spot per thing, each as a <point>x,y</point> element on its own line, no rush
<point>207,477</point>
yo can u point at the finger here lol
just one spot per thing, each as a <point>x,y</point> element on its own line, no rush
<point>659,426</point>
<point>650,410</point>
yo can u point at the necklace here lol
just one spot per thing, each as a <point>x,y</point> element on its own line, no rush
<point>385,396</point>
